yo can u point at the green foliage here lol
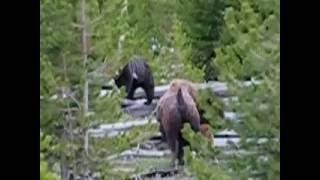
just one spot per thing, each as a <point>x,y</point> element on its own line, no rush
<point>260,106</point>
<point>202,21</point>
<point>252,50</point>
<point>249,48</point>
<point>115,145</point>
<point>203,170</point>
<point>47,79</point>
<point>199,143</point>
<point>59,40</point>
<point>245,39</point>
<point>107,108</point>
<point>213,107</point>
<point>45,172</point>
<point>202,164</point>
<point>136,23</point>
<point>46,143</point>
<point>175,62</point>
<point>62,67</point>
<point>48,86</point>
<point>255,43</point>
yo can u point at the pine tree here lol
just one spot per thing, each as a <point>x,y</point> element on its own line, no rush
<point>117,30</point>
<point>80,46</point>
<point>63,94</point>
<point>255,53</point>
<point>45,172</point>
<point>250,48</point>
<point>202,21</point>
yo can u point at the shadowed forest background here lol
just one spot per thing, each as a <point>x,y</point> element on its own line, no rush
<point>84,43</point>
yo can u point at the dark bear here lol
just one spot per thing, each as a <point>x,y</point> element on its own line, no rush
<point>175,108</point>
<point>135,74</point>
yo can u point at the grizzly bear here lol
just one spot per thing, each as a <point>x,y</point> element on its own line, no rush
<point>135,74</point>
<point>174,85</point>
<point>173,88</point>
<point>176,107</point>
<point>194,94</point>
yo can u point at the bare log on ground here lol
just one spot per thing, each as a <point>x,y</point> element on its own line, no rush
<point>218,88</point>
<point>121,126</point>
<point>218,142</point>
<point>139,152</point>
<point>157,173</point>
<point>110,130</point>
<point>145,153</point>
<point>137,108</point>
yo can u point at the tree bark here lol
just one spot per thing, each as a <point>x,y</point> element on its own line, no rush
<point>85,56</point>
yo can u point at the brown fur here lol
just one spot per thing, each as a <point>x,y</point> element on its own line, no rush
<point>205,131</point>
<point>178,106</point>
<point>191,88</point>
<point>173,88</point>
<point>184,84</point>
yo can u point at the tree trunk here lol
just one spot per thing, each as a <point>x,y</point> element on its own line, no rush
<point>84,55</point>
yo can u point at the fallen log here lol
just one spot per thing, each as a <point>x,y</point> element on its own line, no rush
<point>139,152</point>
<point>122,126</point>
<point>218,142</point>
<point>140,109</point>
<point>110,130</point>
<point>145,153</point>
<point>157,173</point>
<point>135,102</point>
<point>226,133</point>
<point>137,108</point>
<point>218,88</point>
<point>223,142</point>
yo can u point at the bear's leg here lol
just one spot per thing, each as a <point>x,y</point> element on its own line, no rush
<point>149,90</point>
<point>163,136</point>
<point>180,153</point>
<point>172,143</point>
<point>130,90</point>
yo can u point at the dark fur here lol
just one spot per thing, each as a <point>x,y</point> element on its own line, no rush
<point>177,107</point>
<point>135,74</point>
